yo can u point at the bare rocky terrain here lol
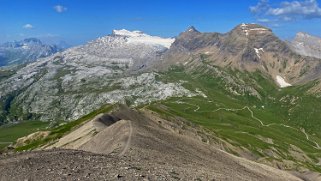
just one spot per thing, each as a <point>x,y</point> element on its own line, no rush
<point>80,165</point>
<point>137,146</point>
<point>247,47</point>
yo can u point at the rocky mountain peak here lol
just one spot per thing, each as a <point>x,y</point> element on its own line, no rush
<point>27,41</point>
<point>192,39</point>
<point>251,29</point>
<point>24,51</point>
<point>307,45</point>
<point>192,29</point>
<point>32,40</point>
<point>302,35</point>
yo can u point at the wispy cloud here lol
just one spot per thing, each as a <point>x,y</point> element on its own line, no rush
<point>60,8</point>
<point>264,20</point>
<point>28,26</point>
<point>286,11</point>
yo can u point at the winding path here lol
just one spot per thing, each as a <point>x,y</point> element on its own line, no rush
<point>316,145</point>
<point>128,140</point>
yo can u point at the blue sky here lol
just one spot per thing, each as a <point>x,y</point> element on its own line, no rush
<point>78,21</point>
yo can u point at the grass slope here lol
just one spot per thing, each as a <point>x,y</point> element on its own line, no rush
<point>10,133</point>
<point>274,126</point>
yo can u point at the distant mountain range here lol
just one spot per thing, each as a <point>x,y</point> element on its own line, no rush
<point>123,60</point>
<point>25,51</point>
<point>307,45</point>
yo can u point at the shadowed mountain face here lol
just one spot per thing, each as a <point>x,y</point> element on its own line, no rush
<point>25,51</point>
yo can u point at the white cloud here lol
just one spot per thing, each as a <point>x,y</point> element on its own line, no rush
<point>28,26</point>
<point>264,20</point>
<point>60,8</point>
<point>306,9</point>
<point>287,10</point>
<point>261,7</point>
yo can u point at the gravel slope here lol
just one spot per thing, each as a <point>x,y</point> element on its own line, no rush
<point>139,146</point>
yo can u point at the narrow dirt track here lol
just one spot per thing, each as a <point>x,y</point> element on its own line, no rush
<point>128,140</point>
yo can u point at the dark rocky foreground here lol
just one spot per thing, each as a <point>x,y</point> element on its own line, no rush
<point>139,146</point>
<point>79,165</point>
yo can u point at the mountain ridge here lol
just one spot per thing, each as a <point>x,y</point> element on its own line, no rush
<point>25,51</point>
<point>247,47</point>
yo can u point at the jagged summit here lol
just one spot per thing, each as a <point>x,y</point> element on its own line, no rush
<point>307,45</point>
<point>27,41</point>
<point>24,51</point>
<point>191,29</point>
<point>32,40</point>
<point>302,34</point>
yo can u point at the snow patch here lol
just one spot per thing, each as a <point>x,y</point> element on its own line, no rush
<point>25,46</point>
<point>137,37</point>
<point>247,30</point>
<point>257,51</point>
<point>258,29</point>
<point>280,80</point>
<point>244,28</point>
<point>124,32</point>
